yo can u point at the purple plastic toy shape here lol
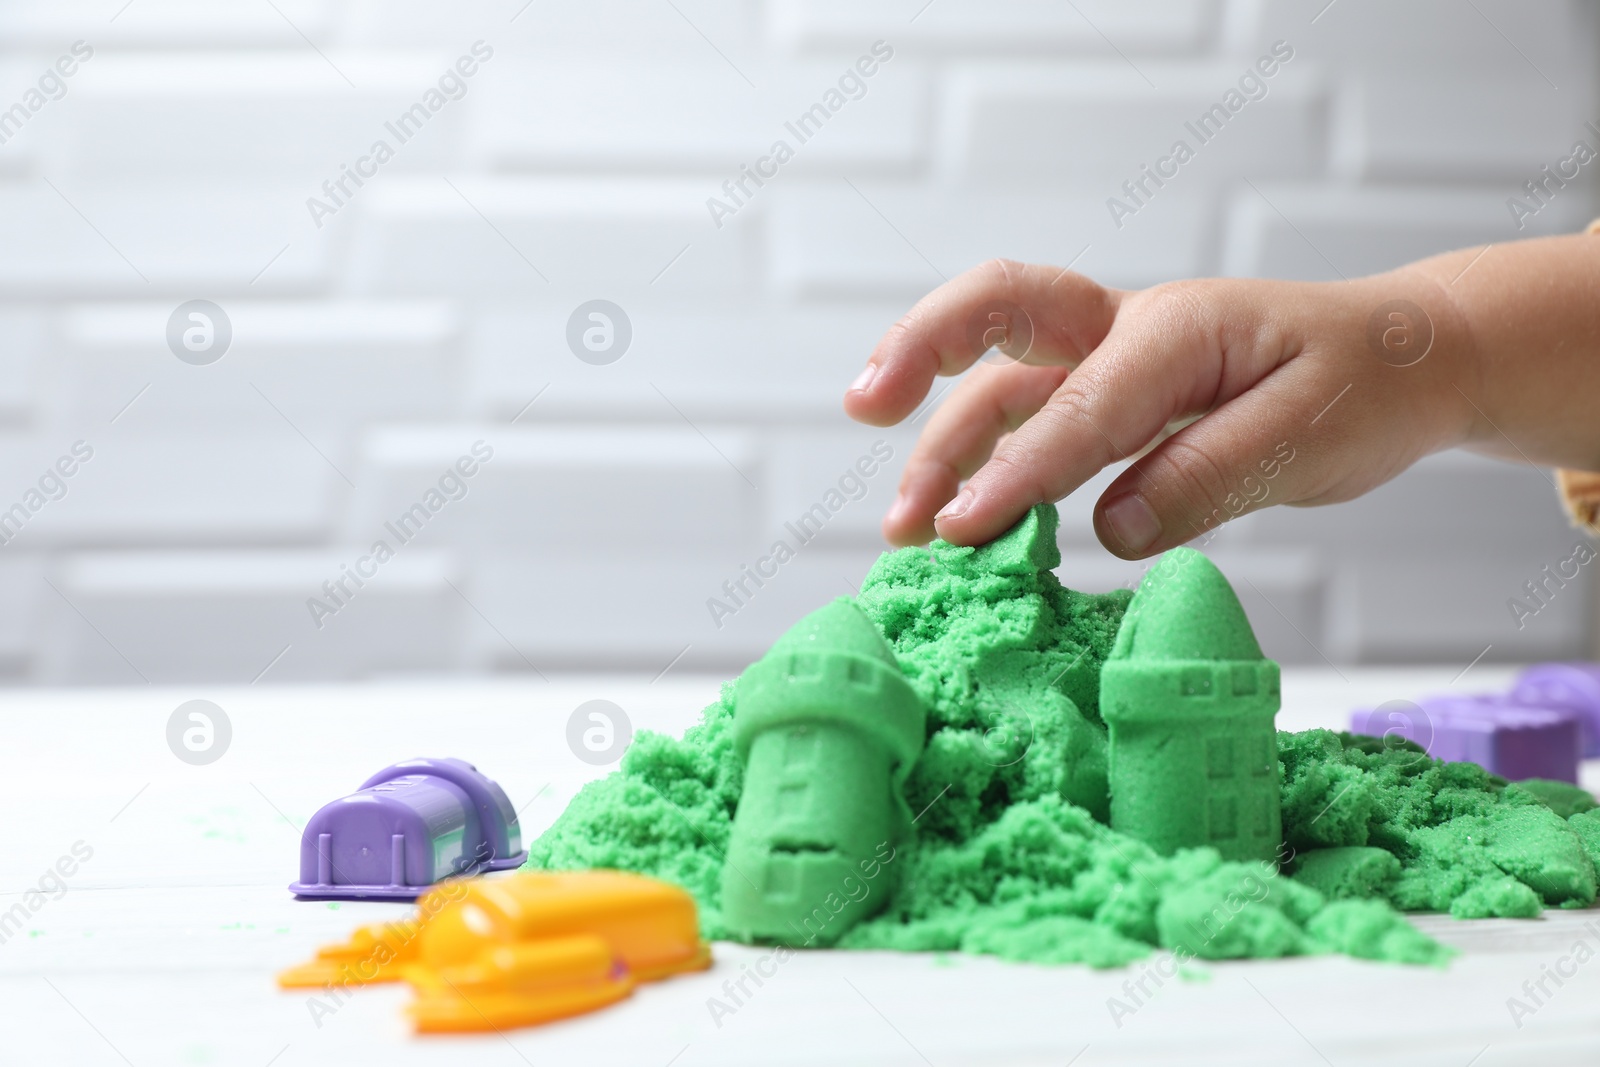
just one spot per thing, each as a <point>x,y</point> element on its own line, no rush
<point>407,827</point>
<point>1574,686</point>
<point>1507,738</point>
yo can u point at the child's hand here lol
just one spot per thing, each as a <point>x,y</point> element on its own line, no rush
<point>1295,405</point>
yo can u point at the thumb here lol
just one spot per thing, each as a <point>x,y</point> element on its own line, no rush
<point>1282,442</point>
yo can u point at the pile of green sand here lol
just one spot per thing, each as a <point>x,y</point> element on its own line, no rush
<point>1466,842</point>
<point>1012,856</point>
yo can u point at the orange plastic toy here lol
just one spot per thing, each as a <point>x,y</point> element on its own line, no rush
<point>494,953</point>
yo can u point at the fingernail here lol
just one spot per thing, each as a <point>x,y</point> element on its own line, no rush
<point>957,507</point>
<point>864,379</point>
<point>1132,522</point>
<point>896,511</point>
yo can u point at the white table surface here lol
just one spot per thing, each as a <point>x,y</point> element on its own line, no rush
<point>164,946</point>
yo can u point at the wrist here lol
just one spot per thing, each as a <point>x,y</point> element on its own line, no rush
<point>1418,329</point>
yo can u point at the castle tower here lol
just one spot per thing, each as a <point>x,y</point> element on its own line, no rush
<point>1189,701</point>
<point>829,729</point>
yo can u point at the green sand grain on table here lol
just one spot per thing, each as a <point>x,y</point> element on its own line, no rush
<point>1012,854</point>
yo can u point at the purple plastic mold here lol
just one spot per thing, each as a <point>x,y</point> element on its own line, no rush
<point>407,827</point>
<point>1574,686</point>
<point>1505,737</point>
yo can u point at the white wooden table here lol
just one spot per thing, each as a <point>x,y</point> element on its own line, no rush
<point>163,947</point>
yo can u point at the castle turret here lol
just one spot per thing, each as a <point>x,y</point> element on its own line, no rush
<point>829,729</point>
<point>1189,701</point>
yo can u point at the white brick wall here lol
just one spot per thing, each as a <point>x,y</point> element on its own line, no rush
<point>430,311</point>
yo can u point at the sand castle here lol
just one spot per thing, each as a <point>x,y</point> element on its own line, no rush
<point>829,730</point>
<point>1189,701</point>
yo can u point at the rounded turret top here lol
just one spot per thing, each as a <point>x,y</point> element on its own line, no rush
<point>839,627</point>
<point>832,667</point>
<point>1185,610</point>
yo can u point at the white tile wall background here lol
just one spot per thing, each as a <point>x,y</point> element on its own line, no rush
<point>429,311</point>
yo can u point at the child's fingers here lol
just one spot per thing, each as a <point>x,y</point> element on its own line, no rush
<point>1153,366</point>
<point>960,435</point>
<point>1267,446</point>
<point>1036,313</point>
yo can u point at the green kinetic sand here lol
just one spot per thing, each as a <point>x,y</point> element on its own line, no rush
<point>1563,798</point>
<point>1467,842</point>
<point>1189,700</point>
<point>1012,854</point>
<point>1351,872</point>
<point>828,729</point>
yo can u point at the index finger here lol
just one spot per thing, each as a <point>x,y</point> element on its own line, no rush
<point>1065,316</point>
<point>1163,362</point>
